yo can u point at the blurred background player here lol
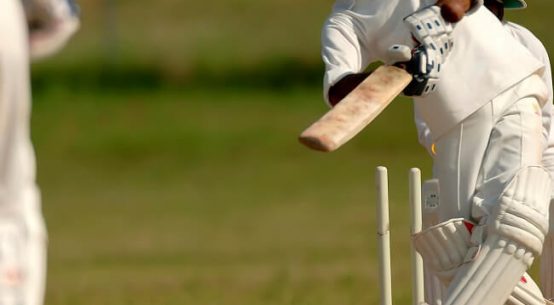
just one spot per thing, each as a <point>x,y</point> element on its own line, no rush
<point>29,29</point>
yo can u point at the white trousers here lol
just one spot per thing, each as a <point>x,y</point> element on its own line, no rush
<point>476,160</point>
<point>22,230</point>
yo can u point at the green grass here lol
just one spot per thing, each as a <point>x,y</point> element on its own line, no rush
<point>207,198</point>
<point>179,39</point>
<point>182,38</point>
<point>169,176</point>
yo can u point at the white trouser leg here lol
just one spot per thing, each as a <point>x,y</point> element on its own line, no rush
<point>22,252</point>
<point>476,161</point>
<point>22,233</point>
<point>435,290</point>
<point>483,153</point>
<point>444,248</point>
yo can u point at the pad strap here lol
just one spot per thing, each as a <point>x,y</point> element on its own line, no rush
<point>515,231</point>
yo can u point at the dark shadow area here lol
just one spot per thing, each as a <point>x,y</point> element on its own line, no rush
<point>276,73</point>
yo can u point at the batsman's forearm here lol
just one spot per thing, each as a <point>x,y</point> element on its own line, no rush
<point>454,10</point>
<point>344,86</point>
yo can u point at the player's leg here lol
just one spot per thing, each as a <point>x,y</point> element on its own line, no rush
<point>457,163</point>
<point>447,244</point>
<point>547,258</point>
<point>435,290</point>
<point>456,185</point>
<point>511,202</point>
<point>22,233</point>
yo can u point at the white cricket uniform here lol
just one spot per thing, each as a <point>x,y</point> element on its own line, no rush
<point>22,230</point>
<point>527,39</point>
<point>489,77</point>
<point>533,44</point>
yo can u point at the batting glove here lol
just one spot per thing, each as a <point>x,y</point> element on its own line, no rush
<point>51,23</point>
<point>429,28</point>
<point>422,62</point>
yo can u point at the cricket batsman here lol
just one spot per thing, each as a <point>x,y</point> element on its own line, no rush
<point>29,28</point>
<point>527,39</point>
<point>481,93</point>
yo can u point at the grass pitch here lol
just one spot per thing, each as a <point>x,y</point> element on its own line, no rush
<point>170,170</point>
<point>207,198</point>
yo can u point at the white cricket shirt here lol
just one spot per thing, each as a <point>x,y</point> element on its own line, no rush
<point>485,61</point>
<point>533,44</point>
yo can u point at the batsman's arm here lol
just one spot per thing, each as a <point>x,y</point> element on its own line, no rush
<point>344,86</point>
<point>455,10</point>
<point>451,10</point>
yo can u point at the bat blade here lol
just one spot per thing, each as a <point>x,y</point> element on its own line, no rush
<point>356,110</point>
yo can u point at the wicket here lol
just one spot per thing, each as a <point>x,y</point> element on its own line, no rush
<point>383,235</point>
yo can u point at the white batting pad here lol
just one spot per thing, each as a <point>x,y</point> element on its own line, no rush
<point>547,259</point>
<point>435,290</point>
<point>526,293</point>
<point>522,213</point>
<point>491,276</point>
<point>443,247</point>
<point>515,233</point>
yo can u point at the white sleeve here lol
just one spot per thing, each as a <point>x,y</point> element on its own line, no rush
<point>535,46</point>
<point>547,117</point>
<point>343,49</point>
<point>548,108</point>
<point>538,50</point>
<point>548,154</point>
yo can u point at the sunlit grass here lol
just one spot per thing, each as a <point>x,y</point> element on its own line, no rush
<point>207,198</point>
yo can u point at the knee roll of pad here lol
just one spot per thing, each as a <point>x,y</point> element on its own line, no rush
<point>515,231</point>
<point>444,247</point>
<point>522,213</point>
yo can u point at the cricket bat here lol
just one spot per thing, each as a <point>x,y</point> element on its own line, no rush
<point>357,109</point>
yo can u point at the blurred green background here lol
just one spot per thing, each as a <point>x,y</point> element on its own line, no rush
<point>171,174</point>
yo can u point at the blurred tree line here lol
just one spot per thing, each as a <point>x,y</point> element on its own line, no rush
<point>239,43</point>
